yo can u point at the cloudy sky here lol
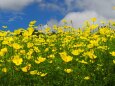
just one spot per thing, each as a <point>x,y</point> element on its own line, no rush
<point>18,13</point>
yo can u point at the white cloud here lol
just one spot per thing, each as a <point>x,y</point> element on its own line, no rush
<point>102,7</point>
<point>78,18</point>
<point>52,22</point>
<point>54,5</point>
<point>80,10</point>
<point>14,4</point>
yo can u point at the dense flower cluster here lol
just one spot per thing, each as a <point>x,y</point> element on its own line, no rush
<point>86,54</point>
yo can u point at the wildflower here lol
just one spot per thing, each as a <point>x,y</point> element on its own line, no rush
<point>4,69</point>
<point>16,46</point>
<point>84,62</point>
<point>22,51</point>
<point>36,49</point>
<point>30,52</point>
<point>112,53</point>
<point>65,57</point>
<point>93,26</point>
<point>30,31</point>
<point>38,73</point>
<point>77,52</point>
<point>90,54</point>
<point>68,70</point>
<point>46,49</point>
<point>5,42</point>
<point>25,33</point>
<point>31,24</point>
<point>17,60</point>
<point>52,56</point>
<point>103,39</point>
<point>26,68</point>
<point>114,61</point>
<point>29,45</point>
<point>40,60</point>
<point>33,72</point>
<point>4,50</point>
<point>50,61</point>
<point>43,74</point>
<point>87,78</point>
<point>93,19</point>
<point>1,53</point>
<point>17,32</point>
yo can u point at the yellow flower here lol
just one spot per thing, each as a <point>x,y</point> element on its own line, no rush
<point>68,70</point>
<point>84,62</point>
<point>3,33</point>
<point>30,52</point>
<point>90,46</point>
<point>5,42</point>
<point>30,31</point>
<point>87,78</point>
<point>16,46</point>
<point>46,49</point>
<point>33,72</point>
<point>31,24</point>
<point>65,57</point>
<point>93,43</point>
<point>93,26</point>
<point>4,69</point>
<point>17,31</point>
<point>93,19</point>
<point>29,45</point>
<point>26,34</point>
<point>26,68</point>
<point>4,50</point>
<point>90,54</point>
<point>40,60</point>
<point>38,73</point>
<point>112,53</point>
<point>52,56</point>
<point>103,39</point>
<point>36,49</point>
<point>43,74</point>
<point>77,52</point>
<point>17,60</point>
<point>22,51</point>
<point>1,53</point>
<point>114,61</point>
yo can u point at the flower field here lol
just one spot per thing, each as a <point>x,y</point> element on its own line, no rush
<point>58,56</point>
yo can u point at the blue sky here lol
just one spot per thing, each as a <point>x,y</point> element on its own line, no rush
<point>18,13</point>
<point>14,19</point>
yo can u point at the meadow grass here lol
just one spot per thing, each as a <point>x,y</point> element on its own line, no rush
<point>64,57</point>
